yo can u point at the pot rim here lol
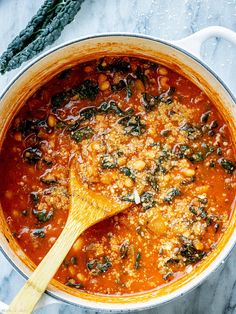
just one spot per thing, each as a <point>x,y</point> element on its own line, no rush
<point>195,282</point>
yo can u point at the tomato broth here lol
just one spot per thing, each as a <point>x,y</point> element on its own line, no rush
<point>140,133</point>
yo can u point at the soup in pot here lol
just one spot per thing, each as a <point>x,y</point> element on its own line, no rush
<point>142,134</point>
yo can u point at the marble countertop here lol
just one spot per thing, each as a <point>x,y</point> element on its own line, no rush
<point>169,19</point>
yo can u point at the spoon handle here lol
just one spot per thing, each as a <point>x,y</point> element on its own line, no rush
<point>25,301</point>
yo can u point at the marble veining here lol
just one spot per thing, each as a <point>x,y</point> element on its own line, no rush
<point>169,19</point>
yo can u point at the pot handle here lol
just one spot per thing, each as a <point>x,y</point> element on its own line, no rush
<point>193,43</point>
<point>44,301</point>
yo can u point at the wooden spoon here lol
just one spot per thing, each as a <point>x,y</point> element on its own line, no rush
<point>86,209</point>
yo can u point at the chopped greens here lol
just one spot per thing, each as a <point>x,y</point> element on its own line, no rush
<point>91,264</point>
<point>74,260</point>
<point>203,199</point>
<point>166,97</point>
<point>212,164</point>
<point>129,86</point>
<point>39,233</point>
<point>211,133</point>
<point>172,261</point>
<point>197,157</point>
<point>203,213</point>
<point>132,125</point>
<point>140,75</point>
<point>214,124</point>
<point>127,172</point>
<point>147,200</point>
<point>152,180</point>
<point>119,86</point>
<point>34,197</point>
<point>205,116</point>
<point>124,84</point>
<point>228,165</point>
<point>27,127</point>
<point>219,151</point>
<point>98,267</point>
<point>82,134</point>
<point>47,162</point>
<point>193,132</point>
<point>189,252</point>
<point>32,155</point>
<point>137,260</point>
<point>87,90</point>
<point>165,133</point>
<point>104,265</point>
<point>128,198</point>
<point>74,126</point>
<point>149,101</point>
<point>216,227</point>
<point>71,283</point>
<point>193,209</point>
<point>112,107</point>
<point>108,162</point>
<point>43,215</point>
<point>119,65</point>
<point>88,112</point>
<point>59,100</point>
<point>124,249</point>
<point>208,149</point>
<point>181,151</point>
<point>171,195</point>
<point>188,180</point>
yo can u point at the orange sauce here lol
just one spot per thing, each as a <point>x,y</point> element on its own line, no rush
<point>141,133</point>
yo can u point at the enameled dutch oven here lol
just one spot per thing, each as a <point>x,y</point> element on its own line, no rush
<point>182,56</point>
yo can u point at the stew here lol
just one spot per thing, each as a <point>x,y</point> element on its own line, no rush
<point>142,134</point>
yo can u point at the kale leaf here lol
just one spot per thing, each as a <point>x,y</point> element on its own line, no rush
<point>147,200</point>
<point>137,260</point>
<point>128,198</point>
<point>189,252</point>
<point>152,180</point>
<point>32,155</point>
<point>127,172</point>
<point>40,233</point>
<point>132,125</point>
<point>87,90</point>
<point>193,132</point>
<point>72,284</point>
<point>34,197</point>
<point>149,101</point>
<point>82,134</point>
<point>228,165</point>
<point>43,29</point>
<point>88,112</point>
<point>98,267</point>
<point>112,107</point>
<point>108,161</point>
<point>43,215</point>
<point>171,195</point>
<point>124,249</point>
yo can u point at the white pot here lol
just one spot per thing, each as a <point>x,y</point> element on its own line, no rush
<point>182,56</point>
